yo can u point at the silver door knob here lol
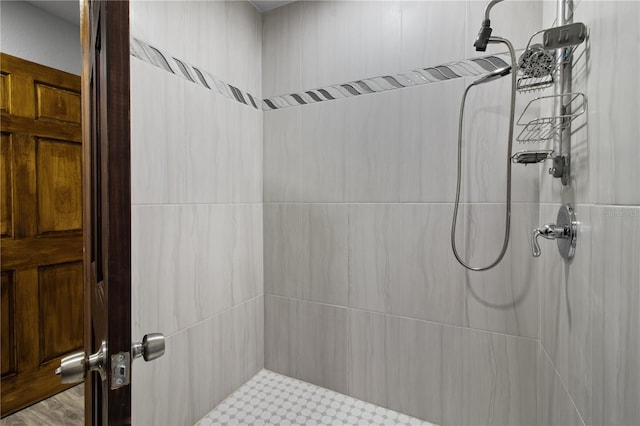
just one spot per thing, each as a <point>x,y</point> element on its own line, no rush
<point>73,368</point>
<point>151,347</point>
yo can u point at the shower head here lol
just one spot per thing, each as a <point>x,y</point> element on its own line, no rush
<point>536,62</point>
<point>482,39</point>
<point>493,75</point>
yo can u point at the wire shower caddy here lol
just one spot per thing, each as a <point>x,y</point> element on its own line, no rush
<point>546,63</point>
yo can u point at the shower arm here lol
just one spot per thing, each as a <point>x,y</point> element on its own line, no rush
<point>484,35</point>
<point>487,9</point>
<point>505,243</point>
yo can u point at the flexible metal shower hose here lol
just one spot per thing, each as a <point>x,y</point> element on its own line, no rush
<point>507,225</point>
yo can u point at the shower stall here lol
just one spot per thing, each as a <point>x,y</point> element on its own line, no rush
<point>293,186</point>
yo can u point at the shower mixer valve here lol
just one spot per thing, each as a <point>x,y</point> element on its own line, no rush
<point>549,231</point>
<point>565,232</point>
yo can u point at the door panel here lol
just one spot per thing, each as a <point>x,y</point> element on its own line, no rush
<point>59,165</point>
<point>59,104</point>
<point>60,290</point>
<point>5,185</point>
<point>8,360</point>
<point>41,228</point>
<point>3,91</point>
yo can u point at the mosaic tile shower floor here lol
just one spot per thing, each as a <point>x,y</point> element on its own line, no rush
<point>272,399</point>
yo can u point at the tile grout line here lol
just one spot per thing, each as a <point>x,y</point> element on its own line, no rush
<point>573,404</point>
<point>409,203</point>
<point>224,311</point>
<point>182,204</point>
<point>533,339</point>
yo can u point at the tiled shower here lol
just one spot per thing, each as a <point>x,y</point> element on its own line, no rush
<point>311,238</point>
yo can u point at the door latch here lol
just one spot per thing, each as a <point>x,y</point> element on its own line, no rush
<point>73,368</point>
<point>120,368</point>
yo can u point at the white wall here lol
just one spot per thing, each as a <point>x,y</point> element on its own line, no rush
<point>33,34</point>
<point>362,292</point>
<point>590,308</point>
<point>196,193</point>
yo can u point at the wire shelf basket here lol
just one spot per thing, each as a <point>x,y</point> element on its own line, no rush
<point>538,66</point>
<point>532,157</point>
<point>546,128</point>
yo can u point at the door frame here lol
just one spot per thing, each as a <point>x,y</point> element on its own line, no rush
<point>106,131</point>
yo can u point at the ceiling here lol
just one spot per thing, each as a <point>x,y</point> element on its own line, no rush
<point>264,5</point>
<point>69,10</point>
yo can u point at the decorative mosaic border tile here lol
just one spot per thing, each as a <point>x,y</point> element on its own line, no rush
<point>453,70</point>
<point>458,69</point>
<point>166,61</point>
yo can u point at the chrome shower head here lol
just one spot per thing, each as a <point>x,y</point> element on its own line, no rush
<point>493,75</point>
<point>536,62</point>
<point>482,39</point>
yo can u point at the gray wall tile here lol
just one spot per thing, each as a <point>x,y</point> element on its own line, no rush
<point>223,353</point>
<point>395,266</point>
<point>589,305</point>
<point>499,379</point>
<point>211,355</point>
<point>279,318</point>
<point>615,272</point>
<point>555,407</point>
<point>245,46</point>
<point>282,249</point>
<point>374,38</point>
<point>281,49</point>
<point>306,251</point>
<point>368,359</point>
<point>485,135</point>
<point>374,151</point>
<point>404,364</point>
<point>324,253</point>
<point>197,188</point>
<point>157,173</point>
<point>324,43</point>
<point>505,298</point>
<point>282,155</point>
<point>396,149</point>
<point>307,340</point>
<point>320,345</point>
<point>423,25</point>
<point>248,338</point>
<point>192,261</point>
<point>161,394</point>
<point>614,104</point>
<point>566,309</point>
<point>323,145</point>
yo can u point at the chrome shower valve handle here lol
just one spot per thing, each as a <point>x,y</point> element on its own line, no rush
<point>565,232</point>
<point>550,231</point>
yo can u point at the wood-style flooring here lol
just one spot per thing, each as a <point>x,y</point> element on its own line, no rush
<point>63,409</point>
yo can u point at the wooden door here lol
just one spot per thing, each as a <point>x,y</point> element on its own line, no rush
<point>41,221</point>
<point>107,207</point>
